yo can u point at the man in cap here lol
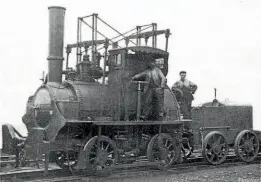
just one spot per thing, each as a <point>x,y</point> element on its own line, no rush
<point>154,98</point>
<point>154,91</point>
<point>186,89</point>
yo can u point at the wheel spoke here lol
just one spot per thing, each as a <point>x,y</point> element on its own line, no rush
<point>111,152</point>
<point>243,139</point>
<point>166,143</point>
<point>213,140</point>
<point>218,141</point>
<point>168,147</point>
<point>247,136</point>
<point>212,156</point>
<point>241,146</point>
<point>106,148</point>
<point>210,150</point>
<point>101,145</point>
<point>252,138</point>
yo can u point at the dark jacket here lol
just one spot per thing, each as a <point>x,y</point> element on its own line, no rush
<point>155,75</point>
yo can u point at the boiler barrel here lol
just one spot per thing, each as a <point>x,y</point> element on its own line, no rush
<point>56,38</point>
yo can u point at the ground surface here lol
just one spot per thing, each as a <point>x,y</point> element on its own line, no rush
<point>245,173</point>
<point>239,173</point>
<point>242,173</point>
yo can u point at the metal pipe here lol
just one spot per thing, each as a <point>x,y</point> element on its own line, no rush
<point>139,102</point>
<point>93,37</point>
<point>56,41</point>
<point>77,48</point>
<point>155,35</point>
<point>80,40</point>
<point>167,43</point>
<point>137,30</point>
<point>68,51</point>
<point>106,45</point>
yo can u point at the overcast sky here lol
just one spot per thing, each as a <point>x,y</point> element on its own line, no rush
<point>218,42</point>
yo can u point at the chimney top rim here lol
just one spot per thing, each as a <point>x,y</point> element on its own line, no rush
<point>56,7</point>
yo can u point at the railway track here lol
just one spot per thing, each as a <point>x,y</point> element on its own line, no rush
<point>121,171</point>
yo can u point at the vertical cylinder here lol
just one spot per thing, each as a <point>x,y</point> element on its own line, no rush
<point>56,38</point>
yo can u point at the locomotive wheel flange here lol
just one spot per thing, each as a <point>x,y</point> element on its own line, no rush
<point>164,149</point>
<point>62,159</point>
<point>215,148</point>
<point>101,155</point>
<point>246,146</point>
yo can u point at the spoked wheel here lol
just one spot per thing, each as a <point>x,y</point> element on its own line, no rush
<point>246,146</point>
<point>66,160</point>
<point>164,149</point>
<point>101,155</point>
<point>215,148</point>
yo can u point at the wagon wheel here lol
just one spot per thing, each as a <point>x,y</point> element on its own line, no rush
<point>101,156</point>
<point>215,148</point>
<point>246,146</point>
<point>163,149</point>
<point>62,159</point>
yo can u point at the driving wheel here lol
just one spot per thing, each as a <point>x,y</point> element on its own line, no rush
<point>101,155</point>
<point>164,149</point>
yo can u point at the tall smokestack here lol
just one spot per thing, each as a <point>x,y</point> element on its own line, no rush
<point>56,36</point>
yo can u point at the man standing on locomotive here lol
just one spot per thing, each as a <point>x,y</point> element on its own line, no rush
<point>187,89</point>
<point>154,90</point>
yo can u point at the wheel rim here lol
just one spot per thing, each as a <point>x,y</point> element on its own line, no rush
<point>163,149</point>
<point>101,154</point>
<point>215,148</point>
<point>246,146</point>
<point>62,160</point>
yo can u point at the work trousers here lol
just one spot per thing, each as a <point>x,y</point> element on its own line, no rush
<point>185,107</point>
<point>153,106</point>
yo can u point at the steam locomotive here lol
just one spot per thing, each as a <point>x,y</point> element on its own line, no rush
<point>88,117</point>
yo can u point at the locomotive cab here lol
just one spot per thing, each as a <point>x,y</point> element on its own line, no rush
<point>127,62</point>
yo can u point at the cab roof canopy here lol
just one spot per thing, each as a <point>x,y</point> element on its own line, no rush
<point>140,49</point>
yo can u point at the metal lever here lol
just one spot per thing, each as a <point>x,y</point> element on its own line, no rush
<point>139,97</point>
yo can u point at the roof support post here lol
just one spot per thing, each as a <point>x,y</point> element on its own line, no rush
<point>167,39</point>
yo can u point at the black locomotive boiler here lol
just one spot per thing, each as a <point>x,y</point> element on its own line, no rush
<point>88,117</point>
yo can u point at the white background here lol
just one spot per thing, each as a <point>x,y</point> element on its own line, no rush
<point>217,42</point>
